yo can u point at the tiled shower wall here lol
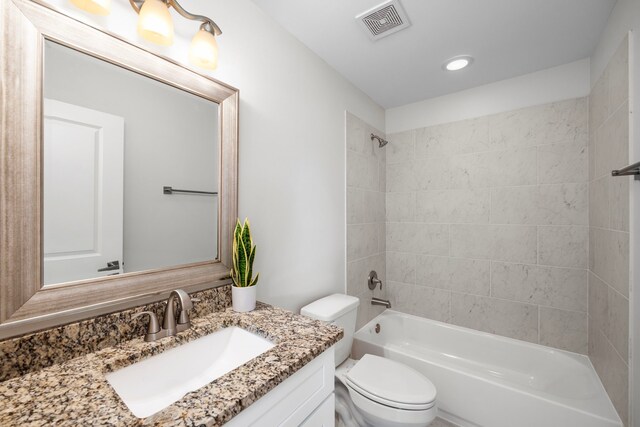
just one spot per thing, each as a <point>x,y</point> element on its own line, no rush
<point>609,229</point>
<point>487,223</point>
<point>365,213</point>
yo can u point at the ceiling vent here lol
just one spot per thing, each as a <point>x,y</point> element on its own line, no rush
<point>384,19</point>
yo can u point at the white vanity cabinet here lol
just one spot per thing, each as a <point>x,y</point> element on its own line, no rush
<point>304,399</point>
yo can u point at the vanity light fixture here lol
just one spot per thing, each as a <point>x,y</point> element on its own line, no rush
<point>458,63</point>
<point>97,7</point>
<point>155,24</point>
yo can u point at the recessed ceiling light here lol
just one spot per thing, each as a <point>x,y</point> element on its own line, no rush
<point>457,63</point>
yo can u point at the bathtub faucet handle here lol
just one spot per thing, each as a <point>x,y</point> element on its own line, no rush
<point>373,280</point>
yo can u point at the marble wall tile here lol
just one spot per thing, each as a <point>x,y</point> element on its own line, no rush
<point>401,267</point>
<point>453,206</point>
<point>362,171</point>
<point>512,167</point>
<point>355,138</point>
<point>432,239</point>
<point>432,173</point>
<point>509,189</point>
<point>598,301</point>
<point>618,76</point>
<point>507,318</point>
<point>401,207</point>
<point>382,176</point>
<point>469,171</point>
<point>436,141</point>
<point>563,163</point>
<point>539,125</point>
<point>366,311</point>
<point>563,246</point>
<point>420,300</point>
<point>382,236</point>
<point>609,252</point>
<point>612,142</point>
<point>358,272</point>
<point>559,204</point>
<point>618,323</point>
<point>497,242</point>
<point>462,137</point>
<point>472,135</point>
<point>509,167</point>
<point>355,206</point>
<point>598,103</point>
<point>619,203</point>
<point>401,147</point>
<point>362,241</point>
<point>612,370</point>
<point>567,330</point>
<point>401,177</point>
<point>373,209</point>
<point>609,226</point>
<point>599,207</point>
<point>592,155</point>
<point>470,276</point>
<point>366,212</point>
<point>355,271</point>
<point>563,288</point>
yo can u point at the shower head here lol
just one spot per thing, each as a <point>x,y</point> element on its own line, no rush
<point>381,142</point>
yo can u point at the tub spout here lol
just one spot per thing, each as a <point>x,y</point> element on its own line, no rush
<point>379,301</point>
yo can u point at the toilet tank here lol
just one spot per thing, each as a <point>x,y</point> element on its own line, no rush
<point>340,310</point>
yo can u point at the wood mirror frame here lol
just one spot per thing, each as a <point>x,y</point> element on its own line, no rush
<point>25,304</point>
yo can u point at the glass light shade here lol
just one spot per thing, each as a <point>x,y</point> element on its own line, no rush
<point>97,7</point>
<point>457,64</point>
<point>155,23</point>
<point>203,51</point>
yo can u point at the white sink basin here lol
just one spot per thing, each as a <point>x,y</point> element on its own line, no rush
<point>153,384</point>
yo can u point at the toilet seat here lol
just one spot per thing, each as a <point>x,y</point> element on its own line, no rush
<point>391,384</point>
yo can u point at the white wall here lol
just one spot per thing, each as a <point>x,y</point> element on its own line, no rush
<point>625,17</point>
<point>554,84</point>
<point>159,230</point>
<point>292,150</point>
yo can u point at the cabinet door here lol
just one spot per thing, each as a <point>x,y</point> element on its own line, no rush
<point>324,415</point>
<point>292,402</point>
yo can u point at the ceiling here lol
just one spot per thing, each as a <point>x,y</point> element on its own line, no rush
<point>507,38</point>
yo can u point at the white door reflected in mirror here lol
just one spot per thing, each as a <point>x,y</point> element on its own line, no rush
<point>83,192</point>
<point>109,212</point>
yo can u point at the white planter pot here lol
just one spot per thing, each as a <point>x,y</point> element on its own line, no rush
<point>243,299</point>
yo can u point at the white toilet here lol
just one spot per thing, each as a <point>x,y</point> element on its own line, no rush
<point>372,391</point>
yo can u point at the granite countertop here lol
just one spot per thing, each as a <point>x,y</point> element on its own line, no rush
<point>76,392</point>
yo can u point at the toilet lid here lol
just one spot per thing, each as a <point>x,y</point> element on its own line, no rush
<point>391,383</point>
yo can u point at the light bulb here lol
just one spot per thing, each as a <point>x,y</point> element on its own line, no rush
<point>97,7</point>
<point>457,63</point>
<point>154,22</point>
<point>203,51</point>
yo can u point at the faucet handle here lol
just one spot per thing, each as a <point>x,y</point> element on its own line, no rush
<point>183,317</point>
<point>154,326</point>
<point>373,281</point>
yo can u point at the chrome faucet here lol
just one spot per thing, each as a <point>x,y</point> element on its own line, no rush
<point>170,326</point>
<point>379,301</point>
<point>373,281</point>
<point>169,319</point>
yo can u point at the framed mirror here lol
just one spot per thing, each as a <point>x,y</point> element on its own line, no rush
<point>118,173</point>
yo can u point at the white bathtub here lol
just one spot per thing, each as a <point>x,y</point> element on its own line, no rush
<point>491,381</point>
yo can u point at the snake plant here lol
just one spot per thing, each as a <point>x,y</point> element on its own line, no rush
<point>243,254</point>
